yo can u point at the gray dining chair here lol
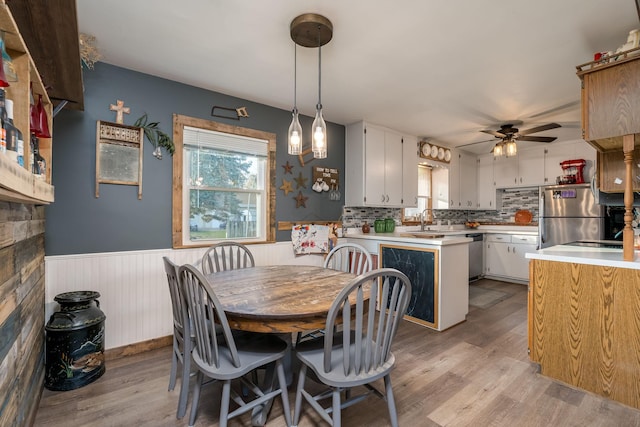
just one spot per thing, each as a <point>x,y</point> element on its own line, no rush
<point>361,353</point>
<point>347,257</point>
<point>181,346</point>
<point>225,357</point>
<point>350,258</point>
<point>226,256</point>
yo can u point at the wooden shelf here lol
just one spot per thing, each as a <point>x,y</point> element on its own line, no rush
<point>18,184</point>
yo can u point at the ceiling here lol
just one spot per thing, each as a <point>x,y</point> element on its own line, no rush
<point>436,69</point>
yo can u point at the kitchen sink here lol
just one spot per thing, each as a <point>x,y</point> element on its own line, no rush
<point>423,235</point>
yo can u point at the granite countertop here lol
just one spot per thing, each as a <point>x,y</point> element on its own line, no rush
<point>607,257</point>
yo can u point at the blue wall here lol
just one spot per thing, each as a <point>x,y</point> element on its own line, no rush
<point>117,221</point>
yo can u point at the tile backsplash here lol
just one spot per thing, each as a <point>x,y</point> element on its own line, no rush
<point>510,201</point>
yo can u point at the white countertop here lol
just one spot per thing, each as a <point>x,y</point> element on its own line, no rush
<point>405,237</point>
<point>585,255</point>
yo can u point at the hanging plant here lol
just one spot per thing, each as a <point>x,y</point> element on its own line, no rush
<point>155,136</point>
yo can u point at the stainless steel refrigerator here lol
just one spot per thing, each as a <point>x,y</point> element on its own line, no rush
<point>569,213</point>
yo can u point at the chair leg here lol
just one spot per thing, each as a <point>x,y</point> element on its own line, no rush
<point>196,398</point>
<point>283,390</point>
<point>298,404</point>
<point>174,366</point>
<point>336,407</point>
<point>224,403</point>
<point>184,386</point>
<point>393,415</point>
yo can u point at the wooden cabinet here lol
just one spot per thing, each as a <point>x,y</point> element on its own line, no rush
<point>612,174</point>
<point>375,163</point>
<point>505,255</point>
<point>486,189</point>
<point>611,102</point>
<point>18,183</point>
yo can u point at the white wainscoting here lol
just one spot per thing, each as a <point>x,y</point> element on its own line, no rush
<point>133,286</point>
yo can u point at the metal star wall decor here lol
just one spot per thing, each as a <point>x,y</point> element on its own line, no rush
<point>288,168</point>
<point>287,186</point>
<point>300,181</point>
<point>301,200</point>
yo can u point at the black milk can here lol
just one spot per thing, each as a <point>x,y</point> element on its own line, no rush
<point>74,354</point>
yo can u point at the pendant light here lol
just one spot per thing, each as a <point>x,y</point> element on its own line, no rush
<point>498,150</point>
<point>319,127</point>
<point>510,148</point>
<point>313,30</point>
<point>294,136</point>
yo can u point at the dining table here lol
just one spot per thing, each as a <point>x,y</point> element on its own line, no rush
<point>279,299</point>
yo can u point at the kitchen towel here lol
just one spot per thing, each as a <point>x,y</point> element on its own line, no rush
<point>310,239</point>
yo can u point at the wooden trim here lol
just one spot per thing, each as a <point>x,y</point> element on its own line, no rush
<point>627,231</point>
<point>287,225</point>
<point>139,347</point>
<point>179,122</point>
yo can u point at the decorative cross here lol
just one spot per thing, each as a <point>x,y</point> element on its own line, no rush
<point>120,110</point>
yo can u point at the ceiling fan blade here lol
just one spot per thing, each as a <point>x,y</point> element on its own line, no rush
<point>497,134</point>
<point>477,142</point>
<point>537,138</point>
<point>539,128</point>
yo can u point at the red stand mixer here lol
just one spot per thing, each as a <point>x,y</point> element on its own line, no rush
<point>572,172</point>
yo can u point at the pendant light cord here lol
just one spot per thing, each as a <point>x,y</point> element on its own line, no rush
<point>319,70</point>
<point>295,75</point>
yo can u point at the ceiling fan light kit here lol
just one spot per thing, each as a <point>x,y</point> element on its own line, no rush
<point>510,134</point>
<point>310,30</point>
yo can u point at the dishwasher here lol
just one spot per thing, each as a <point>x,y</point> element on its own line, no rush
<point>475,256</point>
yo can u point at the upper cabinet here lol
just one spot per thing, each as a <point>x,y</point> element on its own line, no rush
<point>556,153</point>
<point>486,187</point>
<point>610,102</point>
<point>526,169</point>
<point>375,159</point>
<point>462,180</point>
<point>17,183</point>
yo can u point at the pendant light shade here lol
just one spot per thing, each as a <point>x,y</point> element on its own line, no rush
<point>294,136</point>
<point>510,148</point>
<point>498,150</point>
<point>311,30</point>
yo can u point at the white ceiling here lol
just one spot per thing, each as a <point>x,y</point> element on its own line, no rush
<point>432,68</point>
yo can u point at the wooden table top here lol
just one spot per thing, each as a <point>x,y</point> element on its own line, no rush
<point>283,298</point>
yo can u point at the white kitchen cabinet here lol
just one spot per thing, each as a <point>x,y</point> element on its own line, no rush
<point>531,166</point>
<point>526,169</point>
<point>374,159</point>
<point>505,255</point>
<point>462,180</point>
<point>410,161</point>
<point>559,152</point>
<point>505,171</point>
<point>486,188</point>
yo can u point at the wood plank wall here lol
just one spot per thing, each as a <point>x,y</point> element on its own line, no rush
<point>22,320</point>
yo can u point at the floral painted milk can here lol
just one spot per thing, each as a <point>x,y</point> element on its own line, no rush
<point>74,354</point>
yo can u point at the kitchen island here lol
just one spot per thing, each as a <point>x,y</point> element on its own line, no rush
<point>436,264</point>
<point>584,319</point>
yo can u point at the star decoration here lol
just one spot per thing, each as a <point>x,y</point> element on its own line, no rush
<point>288,168</point>
<point>301,200</point>
<point>300,181</point>
<point>287,186</point>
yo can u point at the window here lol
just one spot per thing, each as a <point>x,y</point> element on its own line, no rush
<point>424,196</point>
<point>223,183</point>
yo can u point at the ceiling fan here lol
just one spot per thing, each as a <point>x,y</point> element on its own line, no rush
<point>508,132</point>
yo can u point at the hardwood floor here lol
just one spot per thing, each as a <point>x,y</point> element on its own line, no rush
<point>474,374</point>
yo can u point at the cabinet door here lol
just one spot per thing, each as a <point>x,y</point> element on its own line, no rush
<point>531,166</point>
<point>393,169</point>
<point>468,186</point>
<point>454,181</point>
<point>519,265</point>
<point>505,171</point>
<point>409,171</point>
<point>374,166</point>
<point>485,186</point>
<point>499,258</point>
<point>440,188</point>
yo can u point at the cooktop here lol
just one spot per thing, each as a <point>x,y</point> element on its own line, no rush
<point>597,244</point>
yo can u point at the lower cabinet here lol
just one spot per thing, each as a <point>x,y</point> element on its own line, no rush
<point>504,255</point>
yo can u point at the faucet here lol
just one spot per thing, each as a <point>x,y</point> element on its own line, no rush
<point>422,218</point>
